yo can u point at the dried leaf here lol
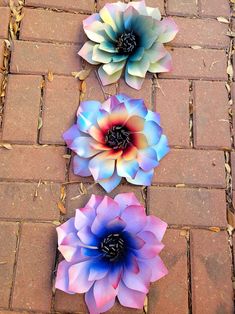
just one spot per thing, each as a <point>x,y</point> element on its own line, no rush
<point>83,87</point>
<point>50,76</point>
<point>228,87</point>
<point>56,223</point>
<point>214,229</point>
<point>19,17</point>
<point>6,145</point>
<point>180,185</point>
<point>231,218</point>
<point>62,193</point>
<point>146,304</point>
<point>67,156</point>
<point>39,123</point>
<point>233,1</point>
<point>222,19</point>
<point>196,47</point>
<point>228,168</point>
<point>81,75</point>
<point>230,70</point>
<point>62,208</point>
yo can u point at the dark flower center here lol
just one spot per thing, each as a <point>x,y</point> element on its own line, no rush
<point>118,137</point>
<point>127,42</point>
<point>113,247</point>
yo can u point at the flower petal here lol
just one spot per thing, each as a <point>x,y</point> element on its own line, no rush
<point>65,229</point>
<point>142,178</point>
<point>101,56</point>
<point>114,275</point>
<point>126,199</point>
<point>152,132</point>
<point>80,166</point>
<point>93,203</point>
<point>156,226</point>
<point>101,167</point>
<point>91,303</point>
<point>138,68</point>
<point>140,141</point>
<point>130,153</point>
<point>108,79</point>
<point>110,183</point>
<point>156,52</point>
<point>98,270</point>
<point>71,134</point>
<point>170,29</point>
<point>78,277</point>
<point>162,147</point>
<point>135,106</point>
<point>103,292</point>
<point>108,47</point>
<point>82,146</point>
<point>147,159</point>
<point>162,65</point>
<point>136,214</point>
<point>113,67</point>
<point>154,12</point>
<point>153,116</point>
<point>133,81</point>
<point>127,168</point>
<point>158,268</point>
<point>137,55</point>
<point>62,279</point>
<point>87,237</point>
<point>94,28</point>
<point>86,52</point>
<point>108,209</point>
<point>130,298</point>
<point>138,282</point>
<point>135,123</point>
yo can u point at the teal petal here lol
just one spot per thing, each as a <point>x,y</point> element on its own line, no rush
<point>118,58</point>
<point>129,17</point>
<point>86,52</point>
<point>137,55</point>
<point>101,56</point>
<point>113,67</point>
<point>108,79</point>
<point>138,68</point>
<point>156,52</point>
<point>133,81</point>
<point>108,47</point>
<point>163,65</point>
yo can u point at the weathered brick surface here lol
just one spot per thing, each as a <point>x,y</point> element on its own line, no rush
<point>50,26</point>
<point>186,206</point>
<point>75,199</point>
<point>156,4</point>
<point>4,22</point>
<point>60,105</point>
<point>70,5</point>
<point>32,163</point>
<point>170,294</point>
<point>172,102</point>
<point>40,58</point>
<point>32,289</point>
<point>219,8</point>
<point>183,7</point>
<point>200,64</point>
<point>145,92</point>
<point>233,167</point>
<point>206,33</point>
<point>211,118</point>
<point>29,201</point>
<point>192,167</point>
<point>8,238</point>
<point>21,109</point>
<point>211,273</point>
<point>1,52</point>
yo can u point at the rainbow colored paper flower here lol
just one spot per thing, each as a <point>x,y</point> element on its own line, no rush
<point>131,36</point>
<point>111,250</point>
<point>119,138</point>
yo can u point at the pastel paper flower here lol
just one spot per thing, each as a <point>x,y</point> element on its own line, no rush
<point>119,138</point>
<point>111,250</point>
<point>131,36</point>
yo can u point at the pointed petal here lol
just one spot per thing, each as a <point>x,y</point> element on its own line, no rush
<point>108,47</point>
<point>137,55</point>
<point>101,56</point>
<point>156,52</point>
<point>71,134</point>
<point>158,268</point>
<point>147,159</point>
<point>86,52</point>
<point>162,147</point>
<point>82,146</point>
<point>170,29</point>
<point>154,12</point>
<point>153,116</point>
<point>78,277</point>
<point>94,28</point>
<point>163,65</point>
<point>133,81</point>
<point>136,107</point>
<point>80,166</point>
<point>138,68</point>
<point>142,178</point>
<point>110,183</point>
<point>101,167</point>
<point>113,67</point>
<point>126,199</point>
<point>87,237</point>
<point>103,292</point>
<point>91,304</point>
<point>156,226</point>
<point>108,79</point>
<point>130,298</point>
<point>137,216</point>
<point>98,270</point>
<point>127,168</point>
<point>152,132</point>
<point>62,279</point>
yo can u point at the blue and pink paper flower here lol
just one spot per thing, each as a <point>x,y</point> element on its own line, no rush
<point>117,139</point>
<point>128,36</point>
<point>111,249</point>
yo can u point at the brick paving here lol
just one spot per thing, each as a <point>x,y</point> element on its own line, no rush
<point>191,189</point>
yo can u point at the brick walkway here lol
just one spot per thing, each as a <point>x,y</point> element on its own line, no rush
<point>191,189</point>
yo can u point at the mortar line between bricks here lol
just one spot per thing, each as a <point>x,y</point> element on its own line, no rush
<point>189,266</point>
<point>15,265</point>
<point>58,10</point>
<point>191,113</point>
<point>40,114</point>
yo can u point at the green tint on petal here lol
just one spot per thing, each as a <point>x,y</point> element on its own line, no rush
<point>138,68</point>
<point>108,16</point>
<point>110,32</point>
<point>170,29</point>
<point>108,47</point>
<point>154,12</point>
<point>118,58</point>
<point>113,67</point>
<point>101,56</point>
<point>129,17</point>
<point>156,52</point>
<point>108,79</point>
<point>163,65</point>
<point>86,52</point>
<point>137,55</point>
<point>95,31</point>
<point>133,81</point>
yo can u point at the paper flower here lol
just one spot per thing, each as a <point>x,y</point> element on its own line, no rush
<point>128,35</point>
<point>111,250</point>
<point>119,138</point>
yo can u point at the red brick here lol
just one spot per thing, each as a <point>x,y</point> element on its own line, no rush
<point>211,273</point>
<point>40,58</point>
<point>4,22</point>
<point>49,26</point>
<point>206,33</point>
<point>192,167</point>
<point>184,206</point>
<point>32,289</point>
<point>145,92</point>
<point>170,294</point>
<point>211,118</point>
<point>219,8</point>
<point>233,166</point>
<point>3,3</point>
<point>172,102</point>
<point>183,7</point>
<point>101,3</point>
<point>32,163</point>
<point>61,102</point>
<point>29,201</point>
<point>1,52</point>
<point>156,4</point>
<point>21,110</point>
<point>74,198</point>
<point>93,89</point>
<point>67,5</point>
<point>198,63</point>
<point>8,238</point>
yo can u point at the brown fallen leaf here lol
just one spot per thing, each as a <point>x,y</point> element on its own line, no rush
<point>180,185</point>
<point>214,229</point>
<point>40,123</point>
<point>6,145</point>
<point>50,76</point>
<point>222,19</point>
<point>81,75</point>
<point>196,47</point>
<point>62,193</point>
<point>230,70</point>
<point>56,223</point>
<point>67,156</point>
<point>62,208</point>
<point>231,218</point>
<point>83,87</point>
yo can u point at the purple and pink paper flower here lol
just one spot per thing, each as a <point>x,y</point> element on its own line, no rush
<point>118,139</point>
<point>128,36</point>
<point>111,249</point>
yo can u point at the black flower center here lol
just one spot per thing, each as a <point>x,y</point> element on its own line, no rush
<point>118,137</point>
<point>127,42</point>
<point>113,247</point>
